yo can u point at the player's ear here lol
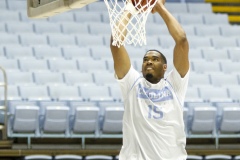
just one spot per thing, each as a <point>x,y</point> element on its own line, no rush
<point>164,67</point>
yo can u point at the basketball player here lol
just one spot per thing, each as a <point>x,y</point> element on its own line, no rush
<point>153,127</point>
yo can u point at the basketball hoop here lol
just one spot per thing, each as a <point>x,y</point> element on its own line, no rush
<point>135,28</point>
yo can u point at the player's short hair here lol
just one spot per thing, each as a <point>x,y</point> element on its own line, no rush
<point>164,59</point>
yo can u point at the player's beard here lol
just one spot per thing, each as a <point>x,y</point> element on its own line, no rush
<point>149,76</point>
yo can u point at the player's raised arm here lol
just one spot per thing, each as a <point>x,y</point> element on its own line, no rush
<point>180,56</point>
<point>120,56</point>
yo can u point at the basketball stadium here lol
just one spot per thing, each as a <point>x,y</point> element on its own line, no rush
<point>60,99</point>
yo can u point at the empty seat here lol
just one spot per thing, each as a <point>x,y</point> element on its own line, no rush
<point>191,19</point>
<point>197,79</point>
<point>47,52</point>
<point>214,19</point>
<point>64,93</point>
<point>17,5</point>
<point>68,157</point>
<point>46,27</point>
<point>74,28</point>
<point>38,157</point>
<point>230,67</point>
<point>91,64</point>
<point>12,93</point>
<point>97,6</point>
<point>34,93</point>
<point>166,41</point>
<point>24,121</point>
<point>100,52</point>
<point>207,30</point>
<point>9,64</point>
<point>234,54</point>
<point>35,65</point>
<point>195,53</point>
<point>103,77</point>
<point>223,79</point>
<point>229,122</point>
<point>55,121</point>
<point>66,17</point>
<point>234,92</point>
<point>88,17</point>
<point>177,7</point>
<point>116,92</point>
<point>85,121</point>
<point>230,30</point>
<point>18,52</point>
<point>211,54</point>
<point>189,29</point>
<point>224,42</point>
<point>59,64</point>
<point>203,122</point>
<point>46,77</point>
<point>102,28</point>
<point>88,40</point>
<point>214,94</point>
<point>199,8</point>
<point>6,16</point>
<point>3,5</point>
<point>153,40</point>
<point>8,39</point>
<point>95,93</point>
<point>218,157</point>
<point>61,39</point>
<point>112,123</point>
<point>156,29</point>
<point>19,78</point>
<point>30,39</point>
<point>70,52</point>
<point>98,157</point>
<point>197,41</point>
<point>77,77</point>
<point>202,66</point>
<point>194,157</point>
<point>192,95</point>
<point>17,27</point>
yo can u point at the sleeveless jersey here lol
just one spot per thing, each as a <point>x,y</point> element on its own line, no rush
<point>153,126</point>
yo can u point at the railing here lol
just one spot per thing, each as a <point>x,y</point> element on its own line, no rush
<point>3,108</point>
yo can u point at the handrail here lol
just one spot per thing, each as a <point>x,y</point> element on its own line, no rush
<point>4,130</point>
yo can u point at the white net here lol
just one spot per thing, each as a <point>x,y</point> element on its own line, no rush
<point>136,34</point>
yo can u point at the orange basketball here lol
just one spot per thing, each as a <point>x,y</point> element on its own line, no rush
<point>142,4</point>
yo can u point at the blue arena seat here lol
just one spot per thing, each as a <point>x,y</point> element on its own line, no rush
<point>55,122</point>
<point>19,27</point>
<point>77,78</point>
<point>74,28</point>
<point>68,157</point>
<point>47,52</point>
<point>32,39</point>
<point>48,77</point>
<point>195,8</point>
<point>18,52</point>
<point>218,157</point>
<point>38,157</point>
<point>46,27</point>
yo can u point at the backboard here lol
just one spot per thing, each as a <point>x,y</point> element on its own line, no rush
<point>48,8</point>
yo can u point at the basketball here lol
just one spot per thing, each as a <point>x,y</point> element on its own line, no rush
<point>142,5</point>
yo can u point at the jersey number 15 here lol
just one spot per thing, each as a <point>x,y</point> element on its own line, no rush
<point>154,112</point>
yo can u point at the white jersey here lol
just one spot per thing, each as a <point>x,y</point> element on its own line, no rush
<point>153,126</point>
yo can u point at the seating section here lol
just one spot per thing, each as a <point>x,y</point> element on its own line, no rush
<point>61,76</point>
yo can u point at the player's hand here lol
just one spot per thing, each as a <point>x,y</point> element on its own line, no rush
<point>158,6</point>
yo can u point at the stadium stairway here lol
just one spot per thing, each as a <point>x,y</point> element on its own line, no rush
<point>231,7</point>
